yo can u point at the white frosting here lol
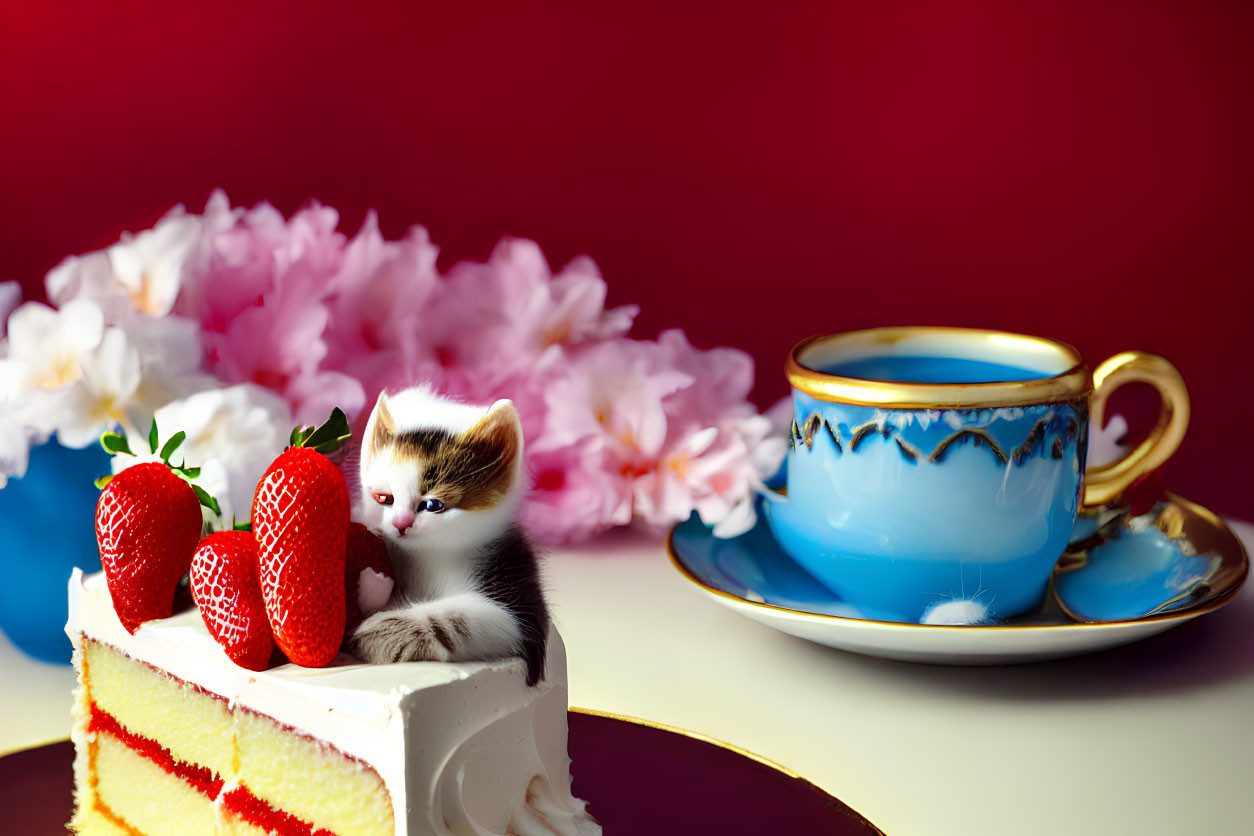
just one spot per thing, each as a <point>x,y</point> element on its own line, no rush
<point>444,737</point>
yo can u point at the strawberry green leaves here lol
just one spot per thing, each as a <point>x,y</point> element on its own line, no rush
<point>116,443</point>
<point>325,439</point>
<point>171,445</point>
<point>113,443</point>
<point>205,499</point>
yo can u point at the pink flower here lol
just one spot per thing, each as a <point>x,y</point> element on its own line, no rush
<point>245,254</point>
<point>613,392</point>
<point>721,381</point>
<point>259,287</point>
<point>502,315</point>
<point>673,427</point>
<point>380,329</point>
<point>715,471</point>
<point>573,495</point>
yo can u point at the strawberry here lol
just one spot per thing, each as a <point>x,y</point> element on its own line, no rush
<point>364,554</point>
<point>225,586</point>
<point>300,518</point>
<point>147,525</point>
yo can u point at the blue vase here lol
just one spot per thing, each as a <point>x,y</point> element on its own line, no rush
<point>47,527</point>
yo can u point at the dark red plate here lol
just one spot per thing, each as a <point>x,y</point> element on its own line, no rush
<point>637,779</point>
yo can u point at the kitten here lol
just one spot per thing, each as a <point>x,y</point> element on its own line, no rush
<point>441,482</point>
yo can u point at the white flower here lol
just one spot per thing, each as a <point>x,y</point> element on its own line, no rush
<point>169,353</point>
<point>88,278</point>
<point>98,400</point>
<point>66,373</point>
<point>41,374</point>
<point>233,435</point>
<point>63,371</point>
<point>150,265</point>
<point>45,346</point>
<point>140,274</point>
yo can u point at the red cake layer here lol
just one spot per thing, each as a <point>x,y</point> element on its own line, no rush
<point>238,800</point>
<point>200,777</point>
<point>253,810</point>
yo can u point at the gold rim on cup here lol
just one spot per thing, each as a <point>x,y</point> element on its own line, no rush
<point>1072,383</point>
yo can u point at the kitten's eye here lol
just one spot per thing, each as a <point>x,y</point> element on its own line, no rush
<point>383,498</point>
<point>435,506</point>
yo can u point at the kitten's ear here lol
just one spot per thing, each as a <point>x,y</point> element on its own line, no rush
<point>383,416</point>
<point>500,428</point>
<point>490,473</point>
<point>380,428</point>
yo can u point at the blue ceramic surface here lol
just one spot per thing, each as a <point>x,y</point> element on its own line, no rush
<point>898,509</point>
<point>753,567</point>
<point>1134,571</point>
<point>923,369</point>
<point>47,526</point>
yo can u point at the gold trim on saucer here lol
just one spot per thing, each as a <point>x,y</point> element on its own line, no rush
<point>1204,529</point>
<point>1206,532</point>
<point>734,749</point>
<point>1073,383</point>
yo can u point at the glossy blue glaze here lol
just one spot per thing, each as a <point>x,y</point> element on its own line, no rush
<point>897,509</point>
<point>1136,571</point>
<point>1087,522</point>
<point>930,370</point>
<point>752,567</point>
<point>47,526</point>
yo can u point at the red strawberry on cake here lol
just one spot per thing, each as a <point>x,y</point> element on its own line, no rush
<point>226,588</point>
<point>147,525</point>
<point>300,519</point>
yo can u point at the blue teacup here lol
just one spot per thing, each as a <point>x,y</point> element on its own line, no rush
<point>939,465</point>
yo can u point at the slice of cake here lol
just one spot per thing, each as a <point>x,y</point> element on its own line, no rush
<point>172,737</point>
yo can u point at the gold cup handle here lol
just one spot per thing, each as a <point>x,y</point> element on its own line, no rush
<point>1106,482</point>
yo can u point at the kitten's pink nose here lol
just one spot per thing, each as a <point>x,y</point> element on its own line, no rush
<point>403,520</point>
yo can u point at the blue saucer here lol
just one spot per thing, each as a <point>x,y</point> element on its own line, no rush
<point>1122,578</point>
<point>1134,567</point>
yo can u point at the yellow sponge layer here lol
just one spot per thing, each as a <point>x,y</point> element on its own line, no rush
<point>122,793</point>
<point>316,783</point>
<point>194,726</point>
<point>145,796</point>
<point>229,825</point>
<point>91,822</point>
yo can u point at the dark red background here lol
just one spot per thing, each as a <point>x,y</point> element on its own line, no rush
<point>750,172</point>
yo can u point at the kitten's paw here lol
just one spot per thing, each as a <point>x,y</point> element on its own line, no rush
<point>386,637</point>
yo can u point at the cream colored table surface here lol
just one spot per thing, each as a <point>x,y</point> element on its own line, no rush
<point>1154,738</point>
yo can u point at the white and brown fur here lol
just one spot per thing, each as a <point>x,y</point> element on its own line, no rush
<point>468,585</point>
